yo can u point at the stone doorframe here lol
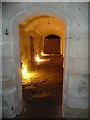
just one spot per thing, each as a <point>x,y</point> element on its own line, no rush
<point>14,38</point>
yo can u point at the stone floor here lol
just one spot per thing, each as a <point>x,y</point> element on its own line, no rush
<point>42,92</point>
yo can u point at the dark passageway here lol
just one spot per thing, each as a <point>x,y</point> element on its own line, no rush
<point>43,94</point>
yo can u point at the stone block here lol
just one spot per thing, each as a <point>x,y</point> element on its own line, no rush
<point>7,69</point>
<point>6,51</point>
<point>73,85</point>
<point>9,84</point>
<point>79,47</point>
<point>78,65</point>
<point>76,113</point>
<point>77,85</point>
<point>0,112</point>
<point>83,86</point>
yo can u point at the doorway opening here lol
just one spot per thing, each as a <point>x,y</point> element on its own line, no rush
<point>52,44</point>
<point>41,53</point>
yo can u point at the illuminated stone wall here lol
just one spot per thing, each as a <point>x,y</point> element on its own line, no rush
<point>26,47</point>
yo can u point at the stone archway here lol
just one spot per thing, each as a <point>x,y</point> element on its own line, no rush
<point>56,14</point>
<point>52,40</point>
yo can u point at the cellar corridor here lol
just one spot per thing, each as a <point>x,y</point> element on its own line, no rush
<point>43,90</point>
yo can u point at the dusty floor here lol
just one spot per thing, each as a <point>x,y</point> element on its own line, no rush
<point>42,92</point>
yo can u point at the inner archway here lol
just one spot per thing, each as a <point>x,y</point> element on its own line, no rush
<point>42,73</point>
<point>52,44</point>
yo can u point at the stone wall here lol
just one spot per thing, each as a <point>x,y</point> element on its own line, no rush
<point>44,0</point>
<point>0,60</point>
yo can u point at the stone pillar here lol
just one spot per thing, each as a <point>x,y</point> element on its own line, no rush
<point>11,78</point>
<point>76,89</point>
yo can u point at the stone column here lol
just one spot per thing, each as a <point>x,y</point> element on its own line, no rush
<point>76,90</point>
<point>11,78</point>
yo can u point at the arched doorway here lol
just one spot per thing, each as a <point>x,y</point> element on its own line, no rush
<point>45,81</point>
<point>52,44</point>
<point>17,37</point>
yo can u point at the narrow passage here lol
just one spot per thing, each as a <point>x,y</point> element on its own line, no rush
<point>42,94</point>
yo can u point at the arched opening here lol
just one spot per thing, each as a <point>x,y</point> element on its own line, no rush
<point>42,71</point>
<point>14,36</point>
<point>52,44</point>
